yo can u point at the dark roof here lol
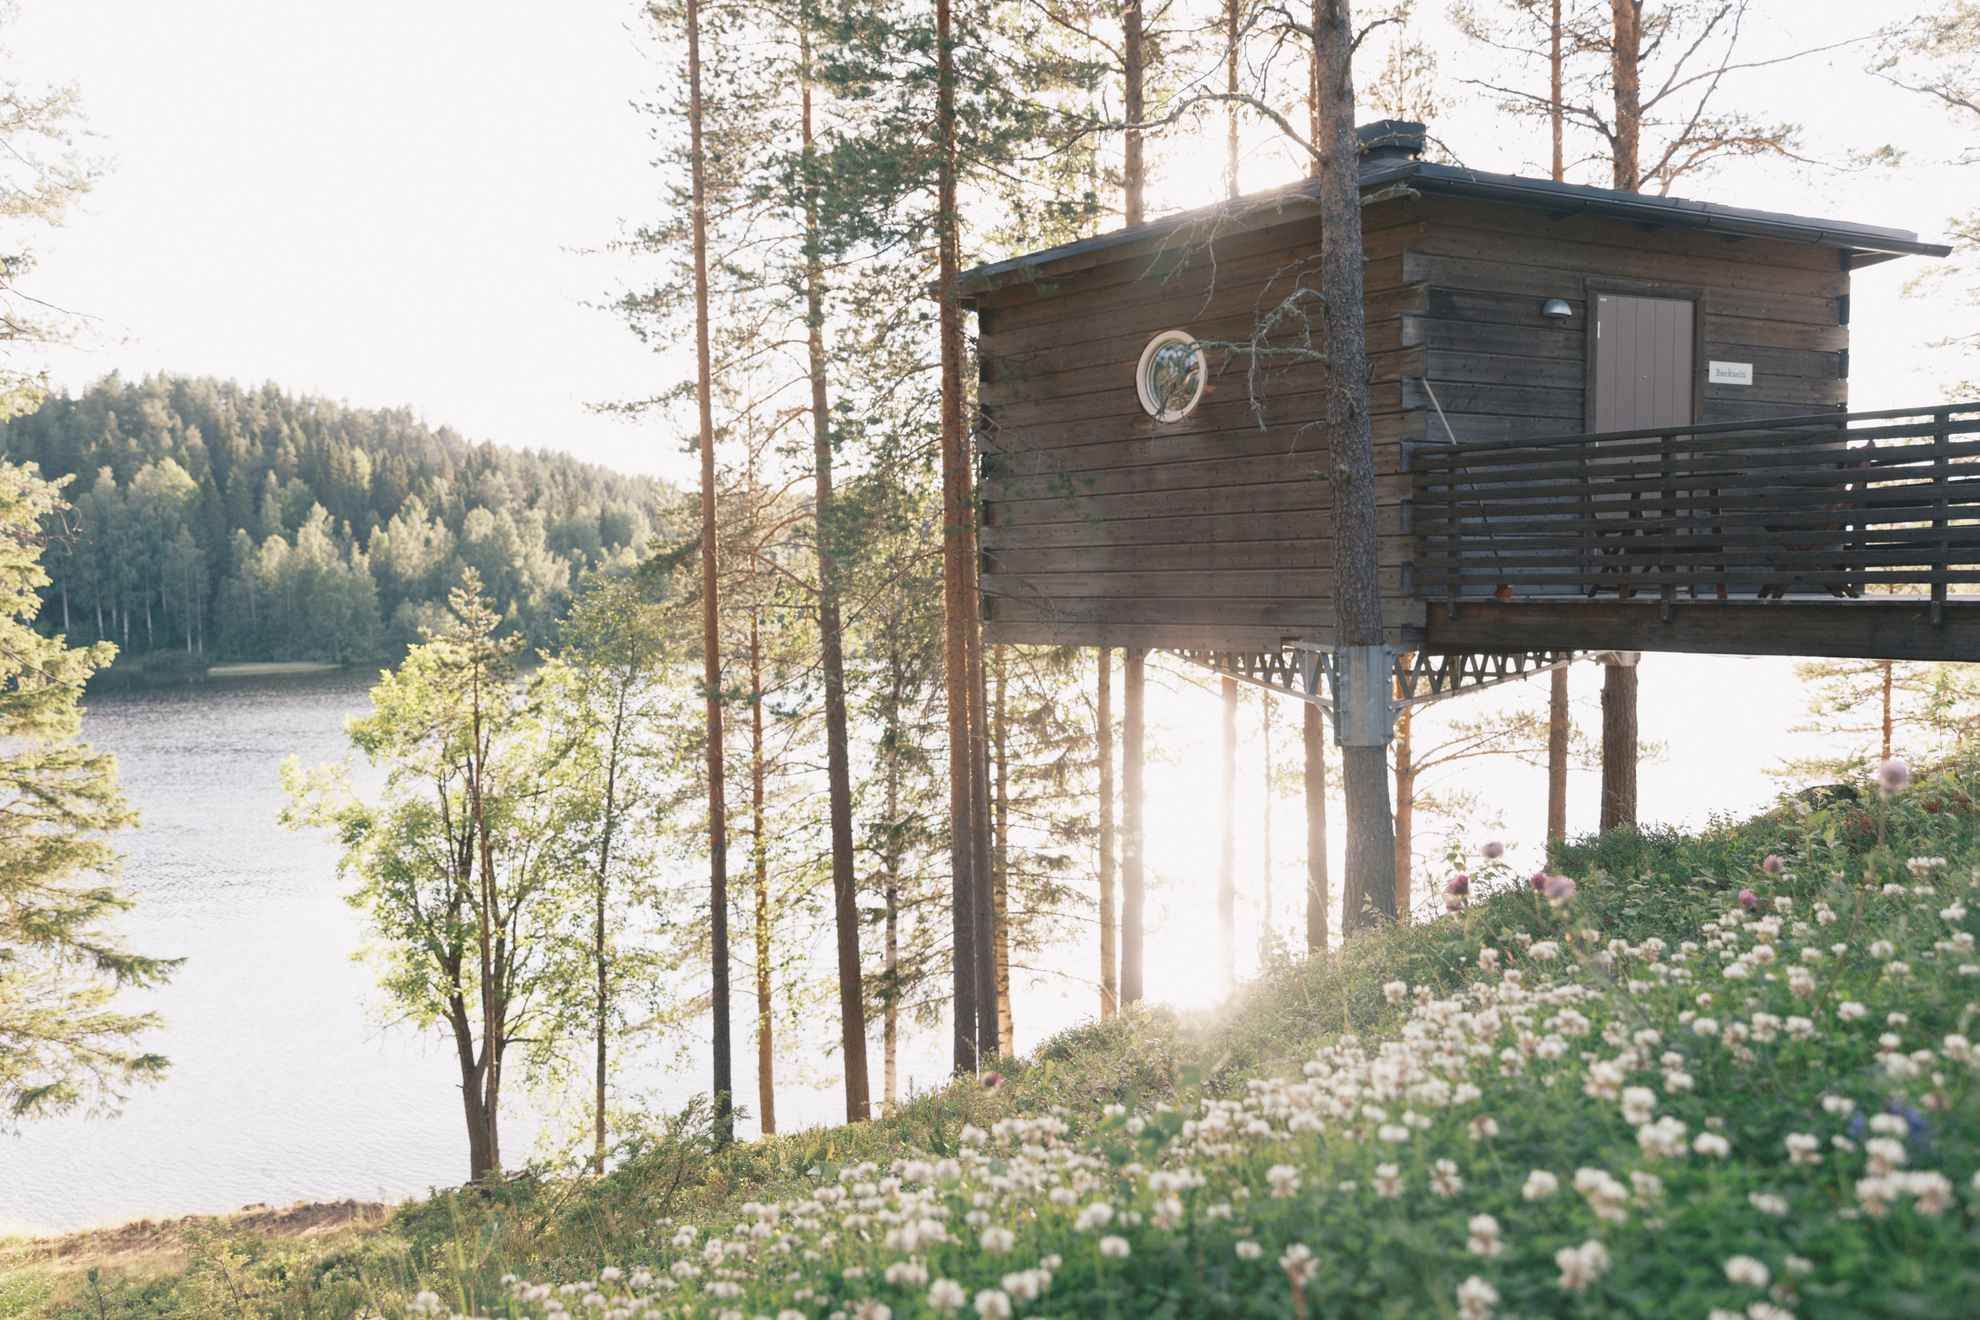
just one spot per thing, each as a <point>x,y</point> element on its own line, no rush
<point>1386,167</point>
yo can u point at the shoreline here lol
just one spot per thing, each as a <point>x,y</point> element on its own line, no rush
<point>271,668</point>
<point>80,1247</point>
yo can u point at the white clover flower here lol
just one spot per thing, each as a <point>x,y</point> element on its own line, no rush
<point>1484,1239</point>
<point>1540,1185</point>
<point>1476,1298</point>
<point>1747,1272</point>
<point>1392,1133</point>
<point>1299,1264</point>
<point>946,1295</point>
<point>1851,1011</point>
<point>1097,1215</point>
<point>1114,1248</point>
<point>1582,1265</point>
<point>1387,1181</point>
<point>1284,1181</point>
<point>997,1240</point>
<point>1483,1127</point>
<point>993,1304</point>
<point>1396,991</point>
<point>870,1309</point>
<point>1768,1203</point>
<point>1248,1250</point>
<point>1712,1145</point>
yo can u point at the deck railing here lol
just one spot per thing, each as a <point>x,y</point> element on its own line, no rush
<point>1832,504</point>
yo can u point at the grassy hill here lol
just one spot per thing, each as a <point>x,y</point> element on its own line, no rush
<point>1728,1074</point>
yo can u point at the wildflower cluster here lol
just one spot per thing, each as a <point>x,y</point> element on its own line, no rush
<point>1729,1122</point>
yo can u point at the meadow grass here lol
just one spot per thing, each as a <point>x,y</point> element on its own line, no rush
<point>1726,1073</point>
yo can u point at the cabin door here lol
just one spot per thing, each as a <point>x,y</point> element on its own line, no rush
<point>1644,370</point>
<point>1643,353</point>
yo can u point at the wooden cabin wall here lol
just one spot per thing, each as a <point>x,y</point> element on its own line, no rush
<point>1102,526</point>
<point>1502,372</point>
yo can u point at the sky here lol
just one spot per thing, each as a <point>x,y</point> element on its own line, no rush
<point>411,203</point>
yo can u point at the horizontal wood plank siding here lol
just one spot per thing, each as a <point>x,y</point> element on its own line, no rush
<point>1503,372</point>
<point>1102,526</point>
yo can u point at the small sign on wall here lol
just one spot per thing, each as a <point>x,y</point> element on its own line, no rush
<point>1729,373</point>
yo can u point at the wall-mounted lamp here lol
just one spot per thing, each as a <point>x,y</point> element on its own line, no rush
<point>1556,309</point>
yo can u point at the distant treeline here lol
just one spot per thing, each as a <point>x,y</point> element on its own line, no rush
<point>254,524</point>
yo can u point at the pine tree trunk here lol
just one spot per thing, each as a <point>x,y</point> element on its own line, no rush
<point>1227,851</point>
<point>1555,116</point>
<point>1316,130</point>
<point>838,770</point>
<point>1887,676</point>
<point>890,1025</point>
<point>1557,755</point>
<point>1370,880</point>
<point>1265,936</point>
<point>1133,886</point>
<point>1231,18</point>
<point>1110,962</point>
<point>957,577</point>
<point>1313,742</point>
<point>1405,812</point>
<point>989,1042</point>
<point>1134,63</point>
<point>1618,747</point>
<point>1000,861</point>
<point>1625,54</point>
<point>759,840</point>
<point>711,634</point>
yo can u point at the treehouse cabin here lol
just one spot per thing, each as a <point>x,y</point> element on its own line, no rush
<point>1602,421</point>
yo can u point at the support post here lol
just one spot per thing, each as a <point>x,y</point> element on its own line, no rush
<point>1133,888</point>
<point>1364,722</point>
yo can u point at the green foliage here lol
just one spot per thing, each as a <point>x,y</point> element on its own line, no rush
<point>62,1042</point>
<point>256,525</point>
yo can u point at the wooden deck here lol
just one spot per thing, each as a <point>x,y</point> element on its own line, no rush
<point>1835,534</point>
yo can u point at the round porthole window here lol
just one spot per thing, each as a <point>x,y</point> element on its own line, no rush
<point>1171,376</point>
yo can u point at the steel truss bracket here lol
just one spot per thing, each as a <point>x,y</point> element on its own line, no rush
<point>1317,674</point>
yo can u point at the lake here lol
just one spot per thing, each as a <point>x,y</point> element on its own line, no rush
<point>285,1085</point>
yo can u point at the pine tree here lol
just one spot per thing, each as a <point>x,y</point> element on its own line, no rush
<point>63,1043</point>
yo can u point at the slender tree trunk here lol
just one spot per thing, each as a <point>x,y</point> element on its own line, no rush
<point>1000,861</point>
<point>1133,885</point>
<point>1134,63</point>
<point>890,1026</point>
<point>1370,880</point>
<point>1887,676</point>
<point>759,840</point>
<point>1625,54</point>
<point>602,1009</point>
<point>957,576</point>
<point>1316,130</point>
<point>483,1159</point>
<point>1557,755</point>
<point>1554,112</point>
<point>1231,17</point>
<point>1405,811</point>
<point>838,770</point>
<point>1110,962</point>
<point>989,1041</point>
<point>1318,899</point>
<point>1618,746</point>
<point>711,632</point>
<point>1227,851</point>
<point>1265,937</point>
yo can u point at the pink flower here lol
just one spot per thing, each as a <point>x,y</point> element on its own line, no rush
<point>1459,884</point>
<point>991,1081</point>
<point>1560,888</point>
<point>1539,881</point>
<point>1893,776</point>
<point>1493,850</point>
<point>1748,899</point>
<point>1771,864</point>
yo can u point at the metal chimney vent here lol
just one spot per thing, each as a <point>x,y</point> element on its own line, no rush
<point>1390,139</point>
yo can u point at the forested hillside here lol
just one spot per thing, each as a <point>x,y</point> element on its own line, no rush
<point>244,523</point>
